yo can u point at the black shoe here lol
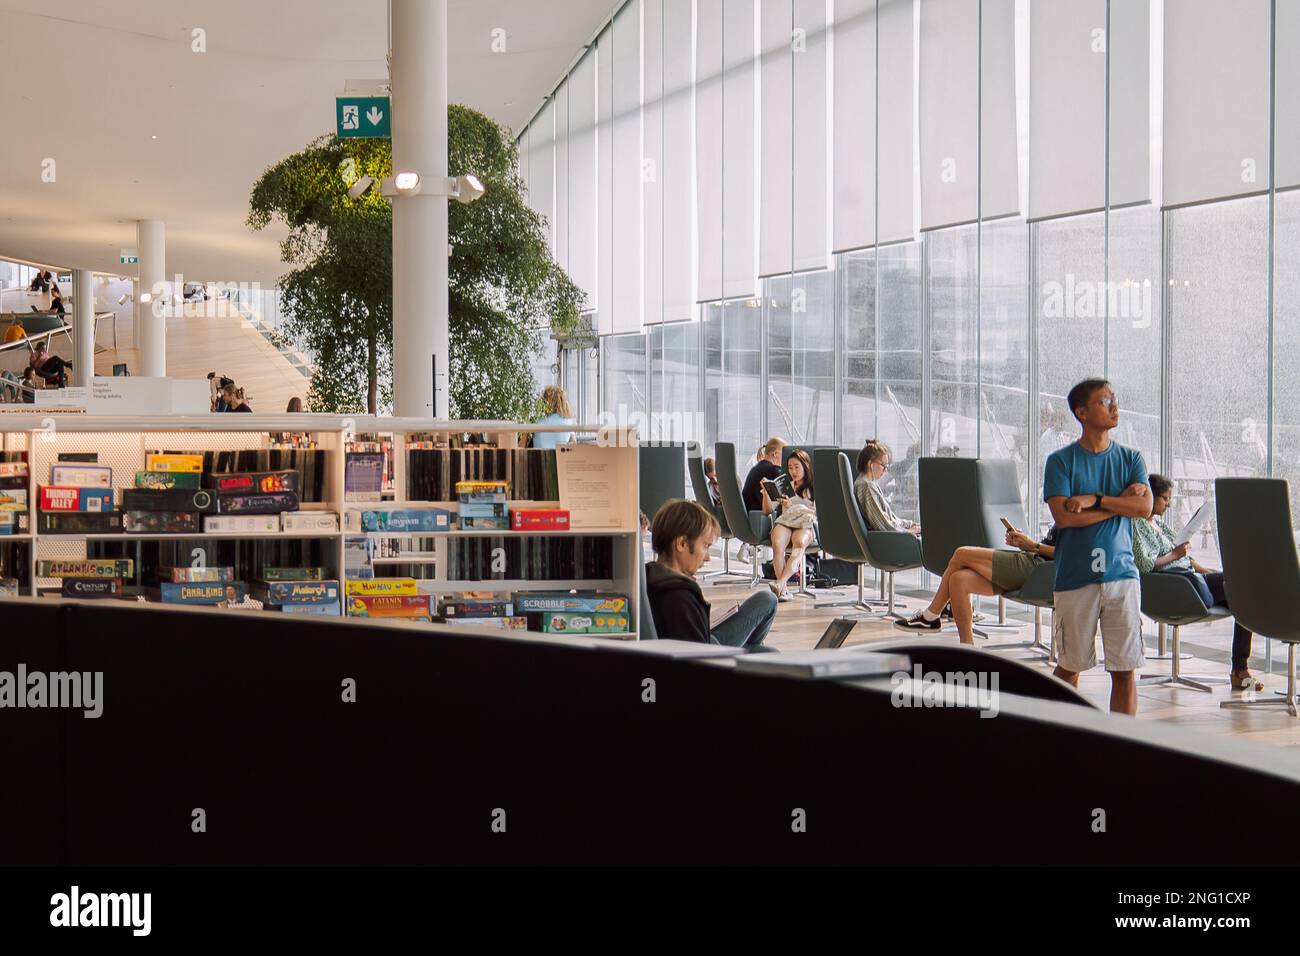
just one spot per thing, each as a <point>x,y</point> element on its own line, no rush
<point>918,623</point>
<point>946,615</point>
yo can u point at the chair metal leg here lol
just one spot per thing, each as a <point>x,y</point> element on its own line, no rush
<point>1002,622</point>
<point>1161,654</point>
<point>1286,699</point>
<point>1175,675</point>
<point>889,608</point>
<point>860,602</point>
<point>1036,644</point>
<point>726,571</point>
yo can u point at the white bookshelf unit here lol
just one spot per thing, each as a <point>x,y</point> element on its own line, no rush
<point>122,443</point>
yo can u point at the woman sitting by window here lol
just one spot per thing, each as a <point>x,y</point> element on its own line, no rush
<point>1154,551</point>
<point>796,522</point>
<point>873,463</point>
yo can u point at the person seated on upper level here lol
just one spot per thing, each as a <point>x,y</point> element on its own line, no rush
<point>52,369</point>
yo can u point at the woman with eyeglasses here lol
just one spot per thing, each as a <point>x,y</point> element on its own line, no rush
<point>873,463</point>
<point>1154,551</point>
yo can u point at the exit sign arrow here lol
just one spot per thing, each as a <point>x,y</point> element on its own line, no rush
<point>350,110</point>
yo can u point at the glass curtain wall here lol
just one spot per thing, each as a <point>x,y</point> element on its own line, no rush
<point>925,220</point>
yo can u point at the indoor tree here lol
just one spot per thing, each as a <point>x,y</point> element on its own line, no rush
<point>338,296</point>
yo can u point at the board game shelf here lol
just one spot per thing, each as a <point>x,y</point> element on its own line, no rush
<point>408,445</point>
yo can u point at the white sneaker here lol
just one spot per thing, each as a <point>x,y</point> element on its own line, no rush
<point>746,553</point>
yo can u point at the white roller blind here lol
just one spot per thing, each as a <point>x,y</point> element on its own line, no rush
<point>739,149</point>
<point>949,110</point>
<point>562,175</point>
<point>1130,102</point>
<point>896,120</point>
<point>999,159</point>
<point>1287,122</point>
<point>1067,107</point>
<point>855,125</point>
<point>708,148</point>
<point>541,169</point>
<point>652,196</point>
<point>776,157</point>
<point>582,177</point>
<point>677,171</point>
<point>626,243</point>
<point>1216,99</point>
<point>605,182</point>
<point>812,173</point>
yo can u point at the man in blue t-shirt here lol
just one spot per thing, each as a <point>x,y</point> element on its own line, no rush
<point>1095,487</point>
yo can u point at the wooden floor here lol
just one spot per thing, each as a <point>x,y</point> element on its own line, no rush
<point>197,345</point>
<point>799,625</point>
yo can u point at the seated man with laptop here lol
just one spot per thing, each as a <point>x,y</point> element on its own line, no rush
<point>1157,549</point>
<point>682,532</point>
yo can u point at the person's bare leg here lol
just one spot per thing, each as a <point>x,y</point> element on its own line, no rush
<point>1123,693</point>
<point>1070,677</point>
<point>799,542</point>
<point>780,538</point>
<point>979,560</point>
<point>963,584</point>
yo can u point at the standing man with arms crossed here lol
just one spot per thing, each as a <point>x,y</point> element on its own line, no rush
<point>1095,487</point>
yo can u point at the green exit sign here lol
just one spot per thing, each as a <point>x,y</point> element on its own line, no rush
<point>129,260</point>
<point>363,116</point>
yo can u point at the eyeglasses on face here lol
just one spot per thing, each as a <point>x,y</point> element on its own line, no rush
<point>1108,401</point>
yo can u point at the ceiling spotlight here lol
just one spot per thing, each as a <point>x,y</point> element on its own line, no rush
<point>465,188</point>
<point>361,186</point>
<point>124,299</point>
<point>146,298</point>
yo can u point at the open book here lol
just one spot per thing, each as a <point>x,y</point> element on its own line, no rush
<point>778,487</point>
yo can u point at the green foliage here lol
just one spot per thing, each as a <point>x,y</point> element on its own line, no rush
<point>503,283</point>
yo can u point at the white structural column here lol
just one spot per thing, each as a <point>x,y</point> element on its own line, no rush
<point>419,80</point>
<point>83,326</point>
<point>150,325</point>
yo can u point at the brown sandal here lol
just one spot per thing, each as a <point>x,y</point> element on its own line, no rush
<point>1243,680</point>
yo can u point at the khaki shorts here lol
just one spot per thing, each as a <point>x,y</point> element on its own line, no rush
<point>1117,607</point>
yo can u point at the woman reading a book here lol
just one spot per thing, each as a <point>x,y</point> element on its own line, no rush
<point>795,526</point>
<point>681,535</point>
<point>1154,550</point>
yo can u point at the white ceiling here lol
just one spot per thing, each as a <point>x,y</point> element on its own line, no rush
<point>88,83</point>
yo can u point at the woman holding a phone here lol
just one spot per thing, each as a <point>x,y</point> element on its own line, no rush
<point>985,571</point>
<point>1154,550</point>
<point>795,525</point>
